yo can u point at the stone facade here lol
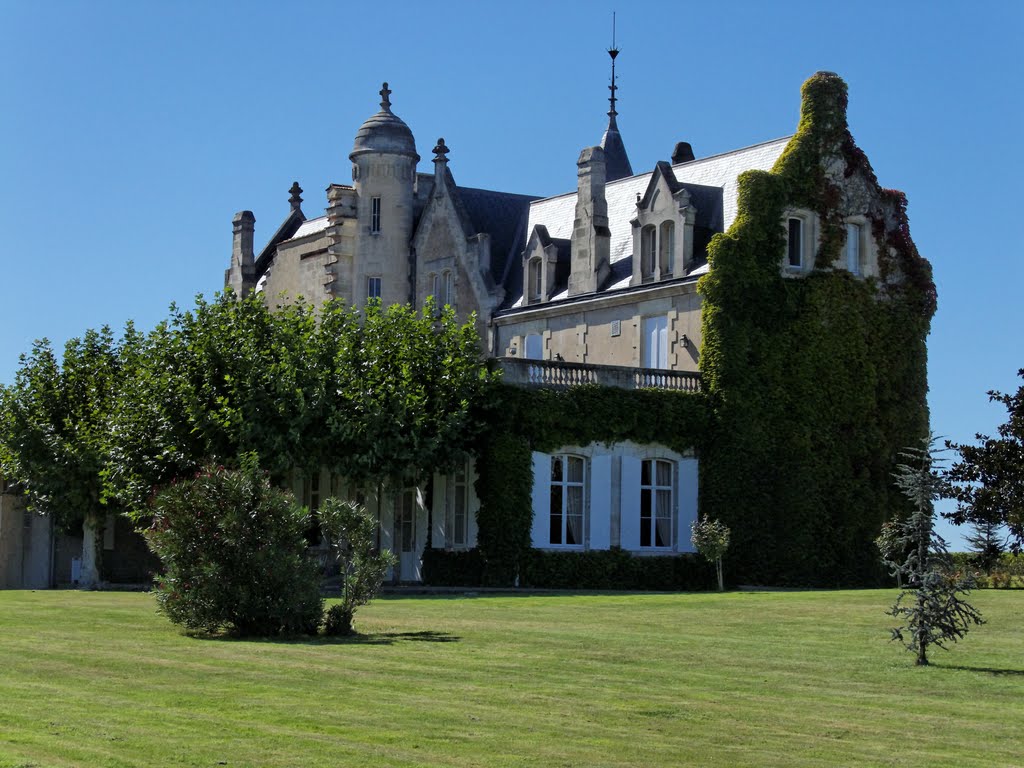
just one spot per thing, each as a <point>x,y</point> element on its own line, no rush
<point>605,275</point>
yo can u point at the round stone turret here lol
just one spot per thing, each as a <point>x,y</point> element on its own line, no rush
<point>384,132</point>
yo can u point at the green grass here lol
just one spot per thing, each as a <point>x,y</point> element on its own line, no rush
<point>760,679</point>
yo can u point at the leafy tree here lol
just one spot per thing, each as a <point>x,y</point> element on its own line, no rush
<point>234,554</point>
<point>711,537</point>
<point>54,429</point>
<point>929,606</point>
<point>403,392</point>
<point>352,531</point>
<point>989,477</point>
<point>214,383</point>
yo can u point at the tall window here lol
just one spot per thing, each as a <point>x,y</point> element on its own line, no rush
<point>373,287</point>
<point>667,248</point>
<point>656,503</point>
<point>446,290</point>
<point>567,500</point>
<point>853,248</point>
<point>795,244</point>
<point>535,285</point>
<point>648,236</point>
<point>375,214</point>
<point>655,342</point>
<point>458,489</point>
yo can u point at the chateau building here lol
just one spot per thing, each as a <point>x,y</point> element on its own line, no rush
<point>600,285</point>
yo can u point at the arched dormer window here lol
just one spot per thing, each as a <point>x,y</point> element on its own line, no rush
<point>648,242</point>
<point>667,248</point>
<point>535,285</point>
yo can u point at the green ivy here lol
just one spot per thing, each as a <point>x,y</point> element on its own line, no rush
<point>526,420</point>
<point>813,383</point>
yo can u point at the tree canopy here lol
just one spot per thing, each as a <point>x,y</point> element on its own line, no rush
<point>54,431</point>
<point>989,476</point>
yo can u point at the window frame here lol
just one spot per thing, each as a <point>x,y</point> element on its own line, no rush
<point>458,489</point>
<point>648,252</point>
<point>371,282</point>
<point>666,247</point>
<point>854,248</point>
<point>375,216</point>
<point>564,485</point>
<point>535,280</point>
<point>798,248</point>
<point>652,489</point>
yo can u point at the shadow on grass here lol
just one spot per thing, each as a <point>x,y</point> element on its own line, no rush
<point>373,638</point>
<point>995,671</point>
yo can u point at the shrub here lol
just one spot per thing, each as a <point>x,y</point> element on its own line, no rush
<point>234,555</point>
<point>352,531</point>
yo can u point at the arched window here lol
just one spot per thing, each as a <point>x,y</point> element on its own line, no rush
<point>535,285</point>
<point>648,236</point>
<point>667,248</point>
<point>446,298</point>
<point>795,242</point>
<point>567,499</point>
<point>657,488</point>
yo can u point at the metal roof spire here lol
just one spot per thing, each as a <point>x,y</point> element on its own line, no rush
<point>613,52</point>
<point>617,162</point>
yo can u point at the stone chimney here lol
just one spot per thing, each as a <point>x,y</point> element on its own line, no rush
<point>683,153</point>
<point>241,276</point>
<point>591,240</point>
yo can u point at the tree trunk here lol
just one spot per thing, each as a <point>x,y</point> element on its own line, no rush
<point>718,570</point>
<point>91,553</point>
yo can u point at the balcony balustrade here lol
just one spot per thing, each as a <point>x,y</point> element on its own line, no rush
<point>558,374</point>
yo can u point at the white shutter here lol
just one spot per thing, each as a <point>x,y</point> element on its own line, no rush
<point>600,502</point>
<point>687,503</point>
<point>630,506</point>
<point>541,500</point>
<point>662,342</point>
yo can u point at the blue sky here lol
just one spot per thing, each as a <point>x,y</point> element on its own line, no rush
<point>133,131</point>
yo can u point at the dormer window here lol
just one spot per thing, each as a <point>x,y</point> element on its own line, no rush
<point>853,260</point>
<point>535,286</point>
<point>667,248</point>
<point>375,215</point>
<point>795,243</point>
<point>648,241</point>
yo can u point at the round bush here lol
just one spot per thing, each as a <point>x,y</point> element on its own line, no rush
<point>234,555</point>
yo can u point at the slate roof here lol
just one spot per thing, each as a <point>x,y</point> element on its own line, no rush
<point>503,216</point>
<point>558,213</point>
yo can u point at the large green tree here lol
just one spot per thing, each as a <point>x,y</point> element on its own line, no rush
<point>377,396</point>
<point>54,430</point>
<point>989,476</point>
<point>221,380</point>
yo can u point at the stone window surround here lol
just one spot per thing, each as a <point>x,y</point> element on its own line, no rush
<point>809,235</point>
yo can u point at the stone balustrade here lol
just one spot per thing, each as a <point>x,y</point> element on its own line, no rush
<point>558,374</point>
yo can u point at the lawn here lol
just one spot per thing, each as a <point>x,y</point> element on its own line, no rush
<point>760,679</point>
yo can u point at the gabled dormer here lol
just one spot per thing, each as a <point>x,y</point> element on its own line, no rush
<point>662,229</point>
<point>545,266</point>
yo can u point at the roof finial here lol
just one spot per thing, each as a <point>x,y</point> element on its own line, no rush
<point>296,196</point>
<point>613,52</point>
<point>385,95</point>
<point>441,152</point>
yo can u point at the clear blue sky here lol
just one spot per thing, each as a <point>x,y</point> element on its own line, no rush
<point>131,132</point>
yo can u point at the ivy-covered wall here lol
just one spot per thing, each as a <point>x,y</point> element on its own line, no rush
<point>814,382</point>
<point>526,420</point>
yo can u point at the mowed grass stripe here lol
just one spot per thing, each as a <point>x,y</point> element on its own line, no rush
<point>802,678</point>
